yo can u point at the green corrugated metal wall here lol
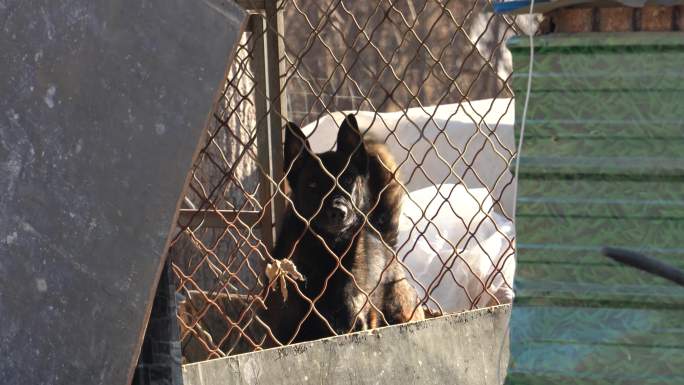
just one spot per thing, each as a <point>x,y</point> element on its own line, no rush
<point>602,164</point>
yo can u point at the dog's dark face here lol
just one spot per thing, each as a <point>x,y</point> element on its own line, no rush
<point>332,201</point>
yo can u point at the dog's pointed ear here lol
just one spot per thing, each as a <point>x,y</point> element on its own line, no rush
<point>297,147</point>
<point>348,137</point>
<point>350,141</point>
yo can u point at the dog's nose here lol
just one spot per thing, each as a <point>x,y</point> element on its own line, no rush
<point>338,212</point>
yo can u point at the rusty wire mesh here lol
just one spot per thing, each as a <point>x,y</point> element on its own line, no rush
<point>410,67</point>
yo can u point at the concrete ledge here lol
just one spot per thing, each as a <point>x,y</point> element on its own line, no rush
<point>466,348</point>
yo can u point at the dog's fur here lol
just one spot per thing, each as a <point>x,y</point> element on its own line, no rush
<point>366,187</point>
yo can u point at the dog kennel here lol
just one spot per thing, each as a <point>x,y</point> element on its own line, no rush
<point>428,79</point>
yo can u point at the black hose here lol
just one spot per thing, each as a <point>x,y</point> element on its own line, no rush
<point>645,263</point>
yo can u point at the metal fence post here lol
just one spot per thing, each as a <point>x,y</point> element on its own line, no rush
<point>271,109</point>
<point>276,70</point>
<point>263,140</point>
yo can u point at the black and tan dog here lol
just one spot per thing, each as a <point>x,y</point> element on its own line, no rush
<point>352,203</point>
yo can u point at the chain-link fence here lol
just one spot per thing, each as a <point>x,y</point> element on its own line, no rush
<point>414,223</point>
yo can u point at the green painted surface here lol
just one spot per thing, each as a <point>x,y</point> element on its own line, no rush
<point>603,164</point>
<point>595,43</point>
<point>587,254</point>
<point>630,108</point>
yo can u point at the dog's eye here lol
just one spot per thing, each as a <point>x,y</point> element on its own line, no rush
<point>346,180</point>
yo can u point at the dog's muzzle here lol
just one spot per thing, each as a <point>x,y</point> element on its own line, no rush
<point>338,213</point>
